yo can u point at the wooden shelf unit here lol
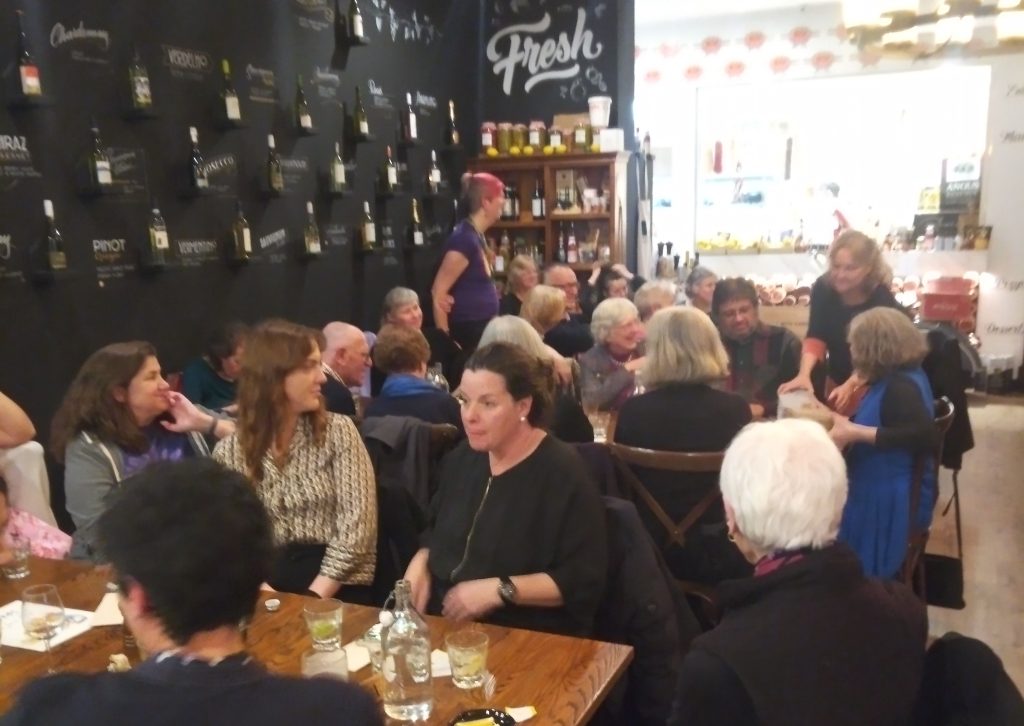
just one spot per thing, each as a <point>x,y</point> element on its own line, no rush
<point>523,171</point>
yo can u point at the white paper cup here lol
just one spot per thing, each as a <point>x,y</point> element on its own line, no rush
<point>600,111</point>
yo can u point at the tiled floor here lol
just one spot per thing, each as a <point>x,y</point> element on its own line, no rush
<point>992,506</point>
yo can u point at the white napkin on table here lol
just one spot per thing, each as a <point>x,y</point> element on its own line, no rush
<point>14,635</point>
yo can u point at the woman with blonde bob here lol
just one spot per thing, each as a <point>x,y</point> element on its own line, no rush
<point>682,411</point>
<point>522,277</point>
<point>309,467</point>
<point>892,426</point>
<point>543,308</point>
<point>858,279</point>
<point>809,602</point>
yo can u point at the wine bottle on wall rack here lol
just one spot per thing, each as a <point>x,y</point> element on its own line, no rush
<point>537,201</point>
<point>275,176</point>
<point>338,181</point>
<point>56,259</point>
<point>198,181</point>
<point>416,227</point>
<point>99,163</point>
<point>355,21</point>
<point>28,71</point>
<point>389,174</point>
<point>138,79</point>
<point>572,255</point>
<point>302,116</point>
<point>241,236</point>
<point>311,233</point>
<point>155,251</point>
<point>434,174</point>
<point>451,133</point>
<point>229,97</point>
<point>409,127</point>
<point>368,229</point>
<point>359,120</point>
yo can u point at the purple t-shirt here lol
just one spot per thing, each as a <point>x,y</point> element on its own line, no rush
<point>164,445</point>
<point>476,298</point>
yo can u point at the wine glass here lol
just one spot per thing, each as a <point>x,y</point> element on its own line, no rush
<point>42,615</point>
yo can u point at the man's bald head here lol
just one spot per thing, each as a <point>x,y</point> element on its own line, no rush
<point>347,352</point>
<point>563,277</point>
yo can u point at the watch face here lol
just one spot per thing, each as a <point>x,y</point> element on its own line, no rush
<point>507,591</point>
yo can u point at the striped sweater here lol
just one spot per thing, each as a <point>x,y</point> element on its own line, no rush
<point>324,494</point>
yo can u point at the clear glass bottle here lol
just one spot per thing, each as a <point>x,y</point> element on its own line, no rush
<point>408,691</point>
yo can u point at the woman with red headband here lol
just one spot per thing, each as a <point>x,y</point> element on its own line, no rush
<point>464,296</point>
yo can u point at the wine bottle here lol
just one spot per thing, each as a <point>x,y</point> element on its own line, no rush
<point>389,175</point>
<point>572,254</point>
<point>197,172</point>
<point>302,116</point>
<point>155,254</point>
<point>451,133</point>
<point>359,119</point>
<point>434,174</point>
<point>56,259</point>
<point>99,163</point>
<point>275,177</point>
<point>416,228</point>
<point>561,243</point>
<point>229,97</point>
<point>368,229</point>
<point>138,79</point>
<point>537,202</point>
<point>502,258</point>
<point>338,180</point>
<point>28,71</point>
<point>311,233</point>
<point>409,130</point>
<point>241,235</point>
<point>507,205</point>
<point>355,21</point>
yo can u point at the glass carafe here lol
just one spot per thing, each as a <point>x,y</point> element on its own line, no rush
<point>408,691</point>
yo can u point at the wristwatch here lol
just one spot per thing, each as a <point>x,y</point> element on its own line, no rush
<point>507,590</point>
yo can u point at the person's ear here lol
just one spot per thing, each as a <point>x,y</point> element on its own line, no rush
<point>523,407</point>
<point>119,393</point>
<point>134,601</point>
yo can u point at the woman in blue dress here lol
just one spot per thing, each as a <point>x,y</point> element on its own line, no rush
<point>891,427</point>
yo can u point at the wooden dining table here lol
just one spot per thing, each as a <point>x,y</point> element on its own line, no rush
<point>565,679</point>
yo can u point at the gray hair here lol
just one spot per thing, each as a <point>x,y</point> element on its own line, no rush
<point>397,297</point>
<point>785,483</point>
<point>651,292</point>
<point>697,275</point>
<point>609,313</point>
<point>515,331</point>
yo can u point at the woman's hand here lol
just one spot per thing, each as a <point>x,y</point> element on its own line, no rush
<point>842,396</point>
<point>635,364</point>
<point>563,370</point>
<point>186,416</point>
<point>844,432</point>
<point>418,576</point>
<point>800,383</point>
<point>446,303</point>
<point>622,270</point>
<point>472,600</point>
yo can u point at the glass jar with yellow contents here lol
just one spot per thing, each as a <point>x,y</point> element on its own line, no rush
<point>504,137</point>
<point>538,135</point>
<point>519,135</point>
<point>582,136</point>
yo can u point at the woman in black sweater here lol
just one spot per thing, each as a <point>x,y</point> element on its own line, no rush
<point>681,412</point>
<point>518,532</point>
<point>858,279</point>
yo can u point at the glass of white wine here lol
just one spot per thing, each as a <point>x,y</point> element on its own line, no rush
<point>42,616</point>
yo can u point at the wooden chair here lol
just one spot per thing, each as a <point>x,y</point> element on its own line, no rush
<point>675,532</point>
<point>912,570</point>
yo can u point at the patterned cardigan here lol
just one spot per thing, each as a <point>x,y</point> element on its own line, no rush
<point>324,494</point>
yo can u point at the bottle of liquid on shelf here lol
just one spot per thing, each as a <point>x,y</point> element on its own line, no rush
<point>338,180</point>
<point>158,242</point>
<point>562,242</point>
<point>416,227</point>
<point>302,115</point>
<point>572,255</point>
<point>389,173</point>
<point>138,83</point>
<point>228,96</point>
<point>241,235</point>
<point>355,21</point>
<point>311,233</point>
<point>408,688</point>
<point>451,132</point>
<point>55,258</point>
<point>275,175</point>
<point>504,255</point>
<point>360,122</point>
<point>197,177</point>
<point>537,201</point>
<point>434,174</point>
<point>410,132</point>
<point>368,229</point>
<point>99,163</point>
<point>28,71</point>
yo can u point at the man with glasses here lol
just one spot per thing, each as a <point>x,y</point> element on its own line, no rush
<point>572,336</point>
<point>346,359</point>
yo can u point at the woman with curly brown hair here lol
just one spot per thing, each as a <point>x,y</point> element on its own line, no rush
<point>309,467</point>
<point>117,417</point>
<point>858,279</point>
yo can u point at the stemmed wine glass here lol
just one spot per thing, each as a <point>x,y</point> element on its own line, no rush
<point>42,616</point>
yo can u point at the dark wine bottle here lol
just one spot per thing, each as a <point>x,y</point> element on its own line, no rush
<point>302,115</point>
<point>138,80</point>
<point>28,71</point>
<point>99,163</point>
<point>155,252</point>
<point>389,172</point>
<point>198,180</point>
<point>451,132</point>
<point>537,202</point>
<point>275,176</point>
<point>359,120</point>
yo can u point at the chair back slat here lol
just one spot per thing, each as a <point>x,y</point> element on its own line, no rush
<point>676,461</point>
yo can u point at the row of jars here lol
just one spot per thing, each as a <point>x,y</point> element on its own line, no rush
<point>504,137</point>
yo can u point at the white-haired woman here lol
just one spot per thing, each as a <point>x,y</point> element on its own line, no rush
<point>700,288</point>
<point>568,422</point>
<point>401,306</point>
<point>609,368</point>
<point>654,296</point>
<point>522,277</point>
<point>893,424</point>
<point>809,639</point>
<point>682,411</point>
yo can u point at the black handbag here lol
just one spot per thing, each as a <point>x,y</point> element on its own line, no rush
<point>944,575</point>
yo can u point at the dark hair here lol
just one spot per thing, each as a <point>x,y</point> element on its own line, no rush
<point>195,536</point>
<point>89,403</point>
<point>224,342</point>
<point>526,376</point>
<point>733,288</point>
<point>3,490</point>
<point>604,278</point>
<point>400,349</point>
<point>478,187</point>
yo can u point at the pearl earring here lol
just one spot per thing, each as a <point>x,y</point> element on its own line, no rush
<point>522,418</point>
